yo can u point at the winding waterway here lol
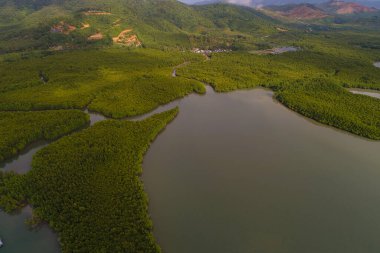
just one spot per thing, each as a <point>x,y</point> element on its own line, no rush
<point>238,172</point>
<point>370,93</point>
<point>17,237</point>
<point>276,50</point>
<point>22,163</point>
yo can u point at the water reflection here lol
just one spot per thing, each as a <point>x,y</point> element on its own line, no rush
<point>238,172</point>
<point>18,238</point>
<point>22,163</point>
<point>95,117</point>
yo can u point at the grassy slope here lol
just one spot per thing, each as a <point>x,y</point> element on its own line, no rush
<point>18,129</point>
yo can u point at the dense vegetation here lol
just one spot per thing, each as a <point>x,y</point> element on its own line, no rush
<point>143,94</point>
<point>18,129</point>
<point>115,82</point>
<point>12,191</point>
<point>87,187</point>
<point>318,58</point>
<point>159,24</point>
<point>331,104</point>
<point>309,81</point>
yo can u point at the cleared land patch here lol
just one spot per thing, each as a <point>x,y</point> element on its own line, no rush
<point>126,38</point>
<point>96,36</point>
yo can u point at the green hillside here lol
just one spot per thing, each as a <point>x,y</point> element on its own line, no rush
<point>74,24</point>
<point>158,24</point>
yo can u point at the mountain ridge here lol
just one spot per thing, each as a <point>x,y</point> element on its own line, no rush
<point>319,11</point>
<point>253,3</point>
<point>71,24</point>
<point>159,24</point>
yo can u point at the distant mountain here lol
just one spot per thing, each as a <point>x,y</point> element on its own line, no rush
<point>261,3</point>
<point>341,7</point>
<point>318,11</point>
<point>370,3</point>
<point>299,11</point>
<point>71,24</point>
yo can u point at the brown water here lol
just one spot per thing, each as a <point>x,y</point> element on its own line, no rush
<point>238,172</point>
<point>371,93</point>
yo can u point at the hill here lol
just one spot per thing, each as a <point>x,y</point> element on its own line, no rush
<point>58,24</point>
<point>253,3</point>
<point>341,7</point>
<point>318,11</point>
<point>299,11</point>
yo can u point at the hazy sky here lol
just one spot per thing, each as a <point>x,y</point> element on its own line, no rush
<point>245,2</point>
<point>242,2</point>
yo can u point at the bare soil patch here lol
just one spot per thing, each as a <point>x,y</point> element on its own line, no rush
<point>62,27</point>
<point>126,38</point>
<point>96,36</point>
<point>85,26</point>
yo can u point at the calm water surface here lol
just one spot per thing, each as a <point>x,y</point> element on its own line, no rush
<point>95,117</point>
<point>371,93</point>
<point>18,238</point>
<point>281,50</point>
<point>276,50</point>
<point>23,162</point>
<point>238,172</point>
